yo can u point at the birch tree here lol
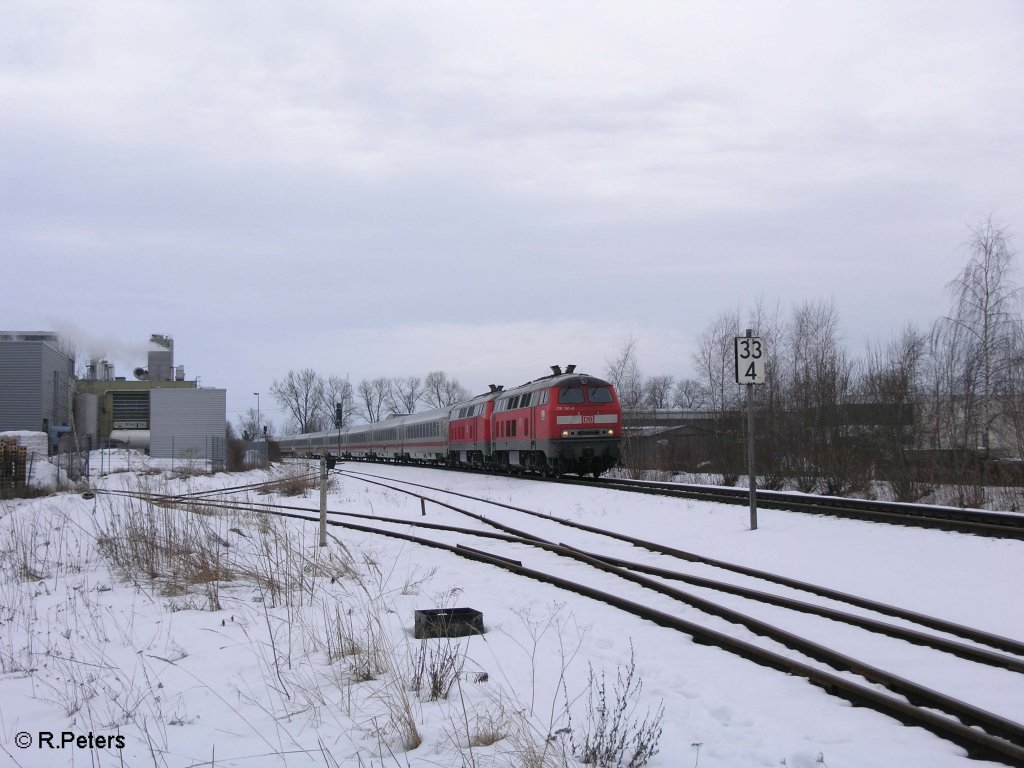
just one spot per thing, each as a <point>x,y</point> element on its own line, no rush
<point>623,373</point>
<point>714,364</point>
<point>985,320</point>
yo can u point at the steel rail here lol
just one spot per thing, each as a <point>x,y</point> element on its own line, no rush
<point>969,633</point>
<point>980,522</point>
<point>1005,748</point>
<point>517,536</point>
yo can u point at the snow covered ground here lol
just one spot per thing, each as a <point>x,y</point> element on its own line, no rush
<point>299,655</point>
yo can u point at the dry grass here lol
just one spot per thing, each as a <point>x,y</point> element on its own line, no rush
<point>437,666</point>
<point>401,715</point>
<point>293,480</point>
<point>178,550</point>
<point>613,736</point>
<point>329,649</point>
<point>24,491</point>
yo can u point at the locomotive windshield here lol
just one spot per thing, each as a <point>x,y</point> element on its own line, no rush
<point>570,395</point>
<point>574,395</point>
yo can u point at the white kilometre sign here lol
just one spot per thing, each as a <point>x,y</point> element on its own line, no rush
<point>750,360</point>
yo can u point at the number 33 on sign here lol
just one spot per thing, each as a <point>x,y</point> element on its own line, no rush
<point>750,360</point>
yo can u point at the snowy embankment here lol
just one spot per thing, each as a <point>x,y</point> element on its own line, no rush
<point>229,638</point>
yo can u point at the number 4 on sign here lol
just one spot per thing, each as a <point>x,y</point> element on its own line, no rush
<point>750,363</point>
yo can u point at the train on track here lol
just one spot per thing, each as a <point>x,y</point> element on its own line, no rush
<point>563,423</point>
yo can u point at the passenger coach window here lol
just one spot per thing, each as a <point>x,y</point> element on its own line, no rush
<point>599,395</point>
<point>570,395</point>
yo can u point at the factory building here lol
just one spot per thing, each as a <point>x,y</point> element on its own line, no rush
<point>157,411</point>
<point>36,378</point>
<point>187,423</point>
<point>115,410</point>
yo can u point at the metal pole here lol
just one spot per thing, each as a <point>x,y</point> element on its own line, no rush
<point>323,499</point>
<point>750,452</point>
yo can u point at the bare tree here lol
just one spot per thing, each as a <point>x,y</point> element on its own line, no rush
<point>977,363</point>
<point>1013,399</point>
<point>300,393</point>
<point>406,394</point>
<point>689,394</point>
<point>440,390</point>
<point>893,384</point>
<point>624,374</point>
<point>249,424</point>
<point>1013,412</point>
<point>953,415</point>
<point>714,363</point>
<point>770,396</point>
<point>374,395</point>
<point>658,392</point>
<point>824,445</point>
<point>339,405</point>
<point>986,317</point>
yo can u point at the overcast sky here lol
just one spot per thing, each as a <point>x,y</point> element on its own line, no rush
<point>487,188</point>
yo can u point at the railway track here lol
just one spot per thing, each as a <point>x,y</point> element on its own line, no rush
<point>989,639</point>
<point>999,738</point>
<point>980,522</point>
<point>973,521</point>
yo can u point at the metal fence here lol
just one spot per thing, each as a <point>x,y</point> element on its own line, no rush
<point>81,456</point>
<point>191,454</point>
<point>77,455</point>
<point>73,455</point>
<point>255,454</point>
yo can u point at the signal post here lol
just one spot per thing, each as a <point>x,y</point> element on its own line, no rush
<point>750,370</point>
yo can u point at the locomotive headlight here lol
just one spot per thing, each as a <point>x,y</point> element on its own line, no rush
<point>565,433</point>
<point>611,432</point>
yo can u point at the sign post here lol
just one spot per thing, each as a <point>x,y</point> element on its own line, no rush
<point>750,370</point>
<point>323,499</point>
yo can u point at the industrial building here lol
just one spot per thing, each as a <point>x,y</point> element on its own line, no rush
<point>157,411</point>
<point>37,374</point>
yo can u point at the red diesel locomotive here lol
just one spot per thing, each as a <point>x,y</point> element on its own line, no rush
<point>564,423</point>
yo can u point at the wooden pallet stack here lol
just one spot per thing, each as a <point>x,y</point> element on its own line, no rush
<point>13,463</point>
